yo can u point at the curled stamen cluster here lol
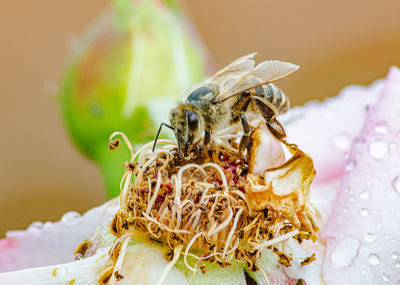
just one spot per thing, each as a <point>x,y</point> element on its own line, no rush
<point>197,207</point>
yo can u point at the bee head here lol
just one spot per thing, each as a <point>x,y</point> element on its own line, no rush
<point>186,124</point>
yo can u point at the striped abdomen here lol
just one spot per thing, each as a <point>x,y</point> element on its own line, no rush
<point>273,97</point>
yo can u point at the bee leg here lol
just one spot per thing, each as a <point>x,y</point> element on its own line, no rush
<point>276,129</point>
<point>244,142</point>
<point>273,125</point>
<point>266,111</point>
<point>207,137</point>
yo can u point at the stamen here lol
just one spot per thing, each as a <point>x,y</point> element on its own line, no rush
<point>275,240</point>
<point>191,203</point>
<point>167,269</point>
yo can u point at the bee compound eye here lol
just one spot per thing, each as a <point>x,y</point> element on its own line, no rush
<point>192,120</point>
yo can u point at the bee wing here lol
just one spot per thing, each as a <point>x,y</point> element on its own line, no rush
<point>266,72</point>
<point>242,65</point>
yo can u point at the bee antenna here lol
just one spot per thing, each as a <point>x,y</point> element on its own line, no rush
<point>158,133</point>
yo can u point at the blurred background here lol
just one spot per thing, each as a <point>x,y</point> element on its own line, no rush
<point>43,175</point>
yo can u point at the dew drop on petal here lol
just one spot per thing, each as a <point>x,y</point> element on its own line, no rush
<point>396,184</point>
<point>385,276</point>
<point>364,195</point>
<point>345,252</point>
<point>342,142</point>
<point>395,255</point>
<point>351,199</point>
<point>370,237</point>
<point>350,165</point>
<point>69,218</point>
<point>378,226</point>
<point>362,271</point>
<point>382,128</point>
<point>364,212</point>
<point>397,265</point>
<point>47,225</point>
<point>373,259</point>
<point>34,226</point>
<point>378,149</point>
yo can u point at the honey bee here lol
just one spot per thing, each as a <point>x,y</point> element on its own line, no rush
<point>226,97</point>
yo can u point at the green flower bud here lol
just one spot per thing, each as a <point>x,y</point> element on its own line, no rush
<point>134,62</point>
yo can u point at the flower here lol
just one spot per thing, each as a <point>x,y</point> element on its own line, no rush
<point>354,141</point>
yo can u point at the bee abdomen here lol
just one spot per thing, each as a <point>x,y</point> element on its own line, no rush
<point>274,96</point>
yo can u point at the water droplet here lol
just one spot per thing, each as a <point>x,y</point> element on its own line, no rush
<point>370,237</point>
<point>345,252</point>
<point>397,265</point>
<point>382,128</point>
<point>395,255</point>
<point>373,259</point>
<point>364,212</point>
<point>378,226</point>
<point>396,184</point>
<point>351,199</point>
<point>35,226</point>
<point>378,149</point>
<point>362,271</point>
<point>364,195</point>
<point>342,142</point>
<point>385,277</point>
<point>350,165</point>
<point>47,225</point>
<point>70,218</point>
<point>345,210</point>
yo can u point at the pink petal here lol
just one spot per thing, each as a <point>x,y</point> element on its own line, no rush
<point>326,130</point>
<point>50,243</point>
<point>363,233</point>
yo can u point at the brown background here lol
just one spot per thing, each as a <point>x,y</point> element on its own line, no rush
<point>42,175</point>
